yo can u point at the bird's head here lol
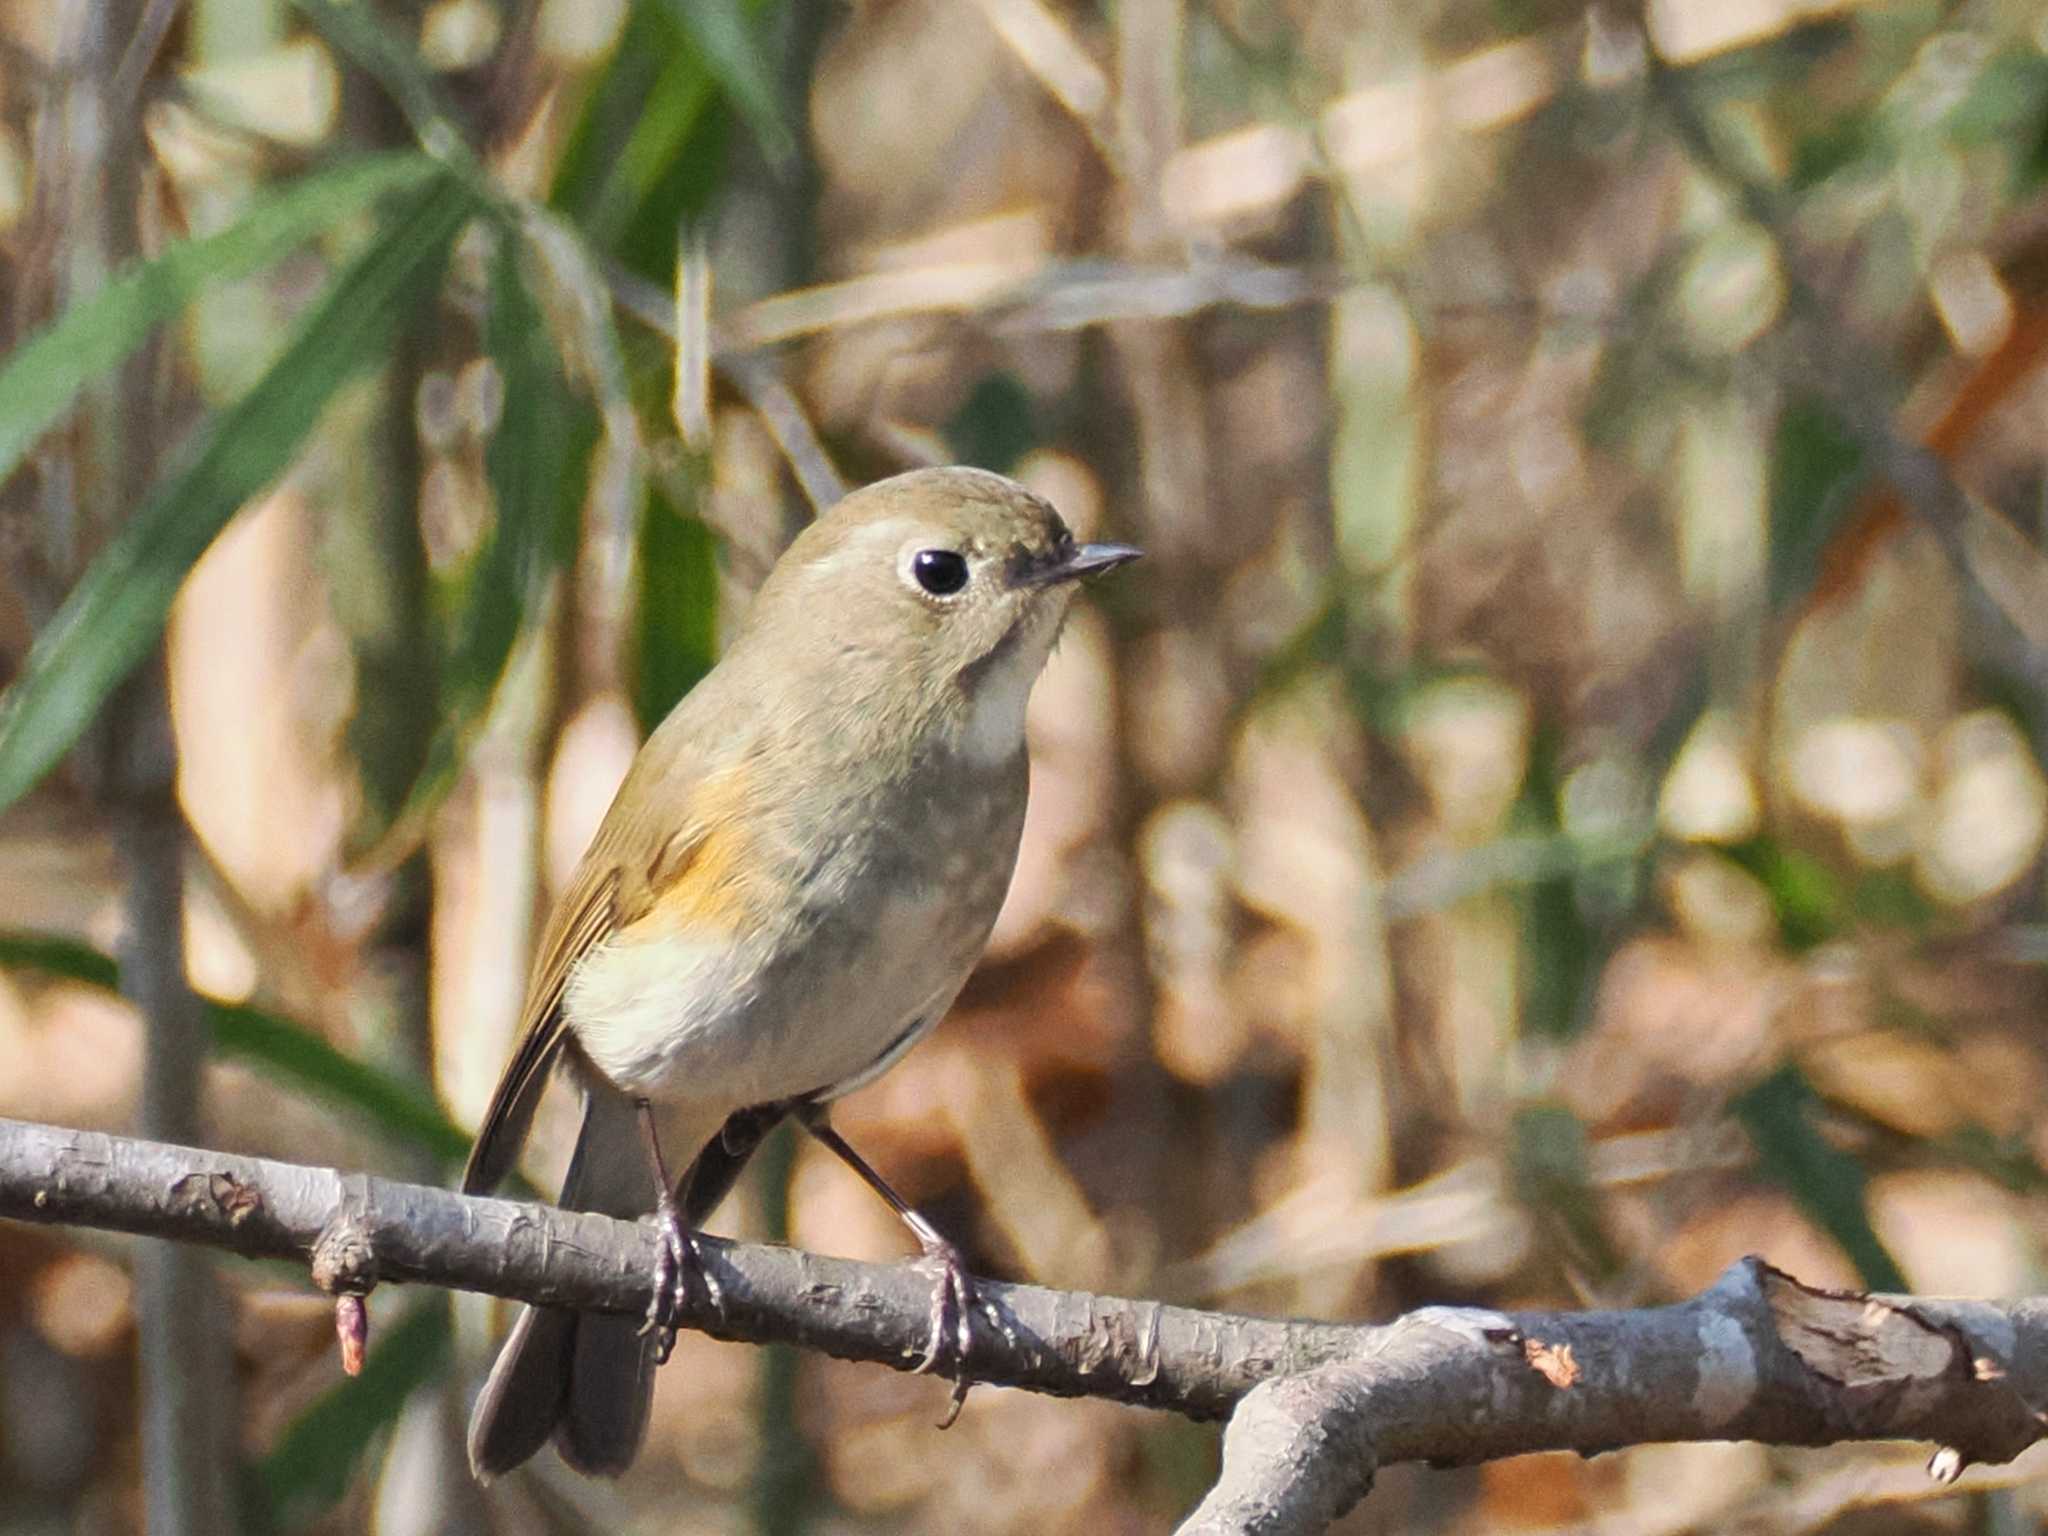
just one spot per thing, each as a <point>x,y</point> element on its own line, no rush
<point>936,582</point>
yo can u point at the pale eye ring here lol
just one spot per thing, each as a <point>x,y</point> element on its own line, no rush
<point>940,572</point>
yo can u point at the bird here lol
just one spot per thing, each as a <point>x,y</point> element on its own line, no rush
<point>801,866</point>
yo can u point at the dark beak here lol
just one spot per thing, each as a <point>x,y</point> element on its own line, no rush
<point>1087,560</point>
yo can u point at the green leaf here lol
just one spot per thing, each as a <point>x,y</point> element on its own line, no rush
<point>117,610</point>
<point>611,105</point>
<point>272,1044</point>
<point>296,1055</point>
<point>536,459</point>
<point>45,374</point>
<point>1560,945</point>
<point>2007,106</point>
<point>394,64</point>
<point>1827,1183</point>
<point>1815,470</point>
<point>2005,102</point>
<point>1891,898</point>
<point>1553,1177</point>
<point>994,429</point>
<point>678,608</point>
<point>666,170</point>
<point>1786,60</point>
<point>1851,141</point>
<point>1806,898</point>
<point>726,41</point>
<point>647,153</point>
<point>311,1467</point>
<point>2005,1158</point>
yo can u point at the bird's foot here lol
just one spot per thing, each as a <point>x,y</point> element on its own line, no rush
<point>677,1262</point>
<point>952,1320</point>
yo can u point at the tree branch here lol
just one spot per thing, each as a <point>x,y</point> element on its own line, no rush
<point>1318,1406</point>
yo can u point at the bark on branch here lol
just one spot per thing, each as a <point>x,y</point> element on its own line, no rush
<point>1317,1406</point>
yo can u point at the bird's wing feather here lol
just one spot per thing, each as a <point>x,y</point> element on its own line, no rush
<point>625,871</point>
<point>581,920</point>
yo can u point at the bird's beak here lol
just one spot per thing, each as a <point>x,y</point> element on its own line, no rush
<point>1086,560</point>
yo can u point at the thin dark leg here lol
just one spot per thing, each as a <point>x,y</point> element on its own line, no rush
<point>678,1256</point>
<point>707,1181</point>
<point>954,1290</point>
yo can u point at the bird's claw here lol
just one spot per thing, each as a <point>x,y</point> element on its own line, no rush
<point>677,1259</point>
<point>952,1323</point>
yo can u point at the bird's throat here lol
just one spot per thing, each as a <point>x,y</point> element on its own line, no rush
<point>997,688</point>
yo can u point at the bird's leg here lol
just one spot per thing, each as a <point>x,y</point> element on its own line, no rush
<point>952,1293</point>
<point>677,1256</point>
<point>707,1181</point>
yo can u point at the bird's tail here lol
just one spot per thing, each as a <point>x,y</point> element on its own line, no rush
<point>584,1378</point>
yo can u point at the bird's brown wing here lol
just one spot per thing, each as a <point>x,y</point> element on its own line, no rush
<point>630,863</point>
<point>586,913</point>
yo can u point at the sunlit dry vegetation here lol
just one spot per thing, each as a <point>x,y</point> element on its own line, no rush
<point>1560,807</point>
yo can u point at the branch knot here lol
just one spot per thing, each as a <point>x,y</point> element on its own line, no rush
<point>344,1258</point>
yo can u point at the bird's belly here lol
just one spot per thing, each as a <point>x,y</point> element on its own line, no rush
<point>735,1021</point>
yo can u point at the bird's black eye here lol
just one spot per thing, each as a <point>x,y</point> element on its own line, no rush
<point>941,572</point>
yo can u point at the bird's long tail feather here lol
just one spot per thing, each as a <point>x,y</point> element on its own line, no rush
<point>584,1378</point>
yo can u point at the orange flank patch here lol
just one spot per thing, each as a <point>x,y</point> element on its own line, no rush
<point>709,874</point>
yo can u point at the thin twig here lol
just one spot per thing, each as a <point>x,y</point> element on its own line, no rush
<point>143,46</point>
<point>1054,57</point>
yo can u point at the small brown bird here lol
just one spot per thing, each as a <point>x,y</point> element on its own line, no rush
<point>800,869</point>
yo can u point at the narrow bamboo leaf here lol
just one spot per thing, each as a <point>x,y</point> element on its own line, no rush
<point>1553,1177</point>
<point>2006,102</point>
<point>310,1468</point>
<point>1561,948</point>
<point>1827,1183</point>
<point>678,609</point>
<point>524,460</point>
<point>393,63</point>
<point>731,50</point>
<point>44,375</point>
<point>610,105</point>
<point>1816,470</point>
<point>117,610</point>
<point>537,459</point>
<point>648,148</point>
<point>666,163</point>
<point>2003,1157</point>
<point>270,1043</point>
<point>296,1055</point>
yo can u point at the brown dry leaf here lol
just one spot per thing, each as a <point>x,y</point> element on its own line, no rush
<point>1679,1488</point>
<point>1749,1221</point>
<point>705,1414</point>
<point>1534,1493</point>
<point>1955,1233</point>
<point>1034,1464</point>
<point>1903,1081</point>
<point>82,1304</point>
<point>1671,1018</point>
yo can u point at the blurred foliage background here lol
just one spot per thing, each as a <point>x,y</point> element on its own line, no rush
<point>1561,807</point>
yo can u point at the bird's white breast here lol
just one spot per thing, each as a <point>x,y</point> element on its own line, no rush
<point>634,1003</point>
<point>995,708</point>
<point>730,1023</point>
